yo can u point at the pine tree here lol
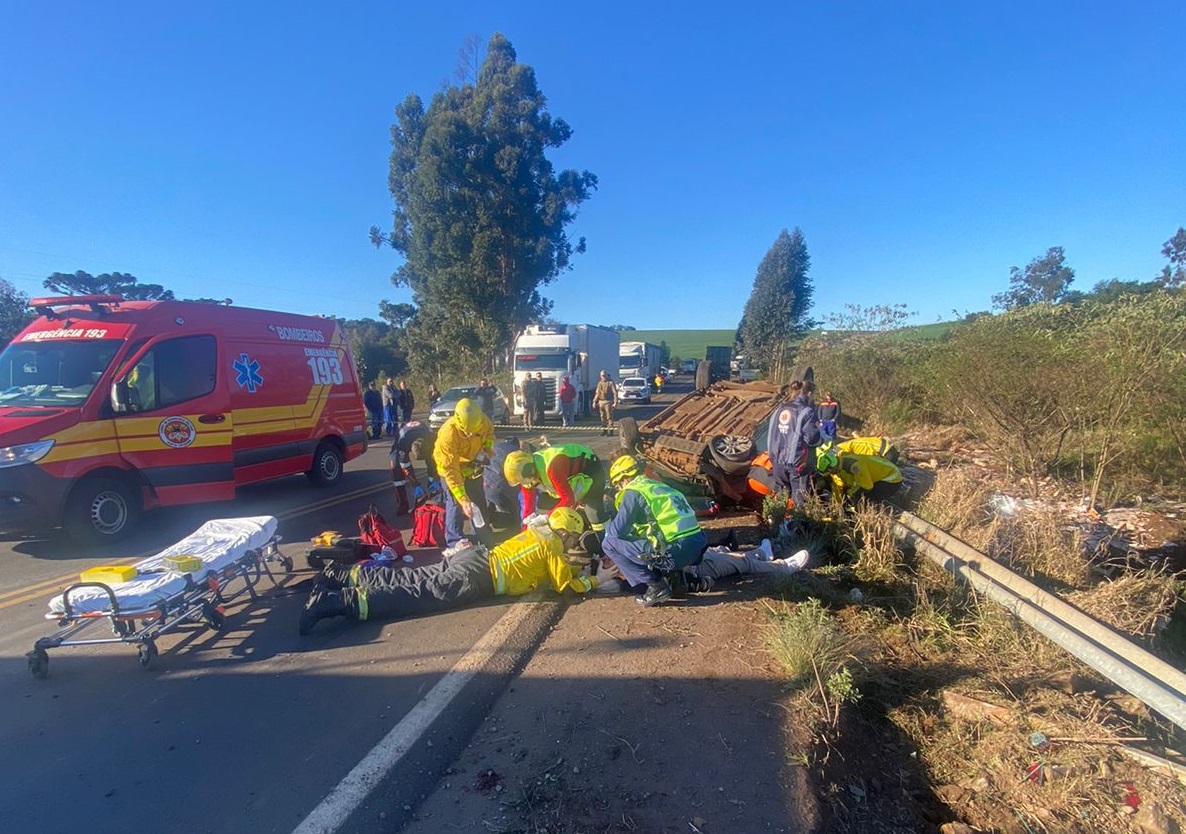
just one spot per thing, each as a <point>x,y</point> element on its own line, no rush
<point>775,316</point>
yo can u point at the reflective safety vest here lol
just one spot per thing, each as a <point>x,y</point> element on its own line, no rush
<point>669,509</point>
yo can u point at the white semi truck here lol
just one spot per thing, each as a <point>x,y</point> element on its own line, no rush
<point>639,359</point>
<point>577,351</point>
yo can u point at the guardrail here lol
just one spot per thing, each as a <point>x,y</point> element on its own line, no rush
<point>1155,682</point>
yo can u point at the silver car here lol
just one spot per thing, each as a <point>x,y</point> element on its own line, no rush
<point>635,388</point>
<point>442,409</point>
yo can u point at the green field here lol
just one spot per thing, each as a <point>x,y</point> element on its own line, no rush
<point>684,344</point>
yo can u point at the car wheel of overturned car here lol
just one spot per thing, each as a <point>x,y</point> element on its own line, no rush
<point>101,510</point>
<point>327,465</point>
<point>703,374</point>
<point>802,373</point>
<point>732,452</point>
<point>628,432</point>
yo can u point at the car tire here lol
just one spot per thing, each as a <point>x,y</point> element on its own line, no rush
<point>732,452</point>
<point>101,511</point>
<point>703,374</point>
<point>802,373</point>
<point>628,432</point>
<point>327,465</point>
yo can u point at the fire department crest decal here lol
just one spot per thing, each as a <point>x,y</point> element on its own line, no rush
<point>176,432</point>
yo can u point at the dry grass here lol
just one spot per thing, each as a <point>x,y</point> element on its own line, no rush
<point>878,558</point>
<point>808,643</point>
<point>958,501</point>
<point>936,636</point>
<point>1138,604</point>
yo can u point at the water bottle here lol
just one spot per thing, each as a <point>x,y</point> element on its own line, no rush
<point>476,517</point>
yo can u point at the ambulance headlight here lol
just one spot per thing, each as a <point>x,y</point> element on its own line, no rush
<point>24,453</point>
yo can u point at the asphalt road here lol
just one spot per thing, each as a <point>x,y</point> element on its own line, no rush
<point>250,728</point>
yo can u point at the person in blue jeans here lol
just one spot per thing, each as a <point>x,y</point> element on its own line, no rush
<point>653,533</point>
<point>464,445</point>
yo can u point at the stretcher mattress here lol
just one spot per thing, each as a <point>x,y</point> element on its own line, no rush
<point>219,543</point>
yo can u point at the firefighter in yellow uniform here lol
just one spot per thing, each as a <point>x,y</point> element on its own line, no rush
<point>464,444</point>
<point>518,566</point>
<point>852,473</point>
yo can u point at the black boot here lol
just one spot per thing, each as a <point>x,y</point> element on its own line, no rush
<point>323,603</point>
<point>591,543</point>
<point>656,592</point>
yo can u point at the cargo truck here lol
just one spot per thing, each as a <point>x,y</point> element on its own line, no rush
<point>639,359</point>
<point>578,351</point>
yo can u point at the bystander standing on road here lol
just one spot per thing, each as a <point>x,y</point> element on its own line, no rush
<point>568,399</point>
<point>433,395</point>
<point>604,400</point>
<point>541,400</point>
<point>390,407</point>
<point>407,401</point>
<point>373,401</point>
<point>485,394</point>
<point>528,393</point>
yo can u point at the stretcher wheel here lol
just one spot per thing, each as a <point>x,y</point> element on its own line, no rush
<point>213,618</point>
<point>148,654</point>
<point>286,563</point>
<point>38,663</point>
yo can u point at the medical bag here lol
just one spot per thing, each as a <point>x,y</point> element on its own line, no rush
<point>428,526</point>
<point>374,530</point>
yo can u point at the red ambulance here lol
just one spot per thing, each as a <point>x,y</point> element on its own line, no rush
<point>110,407</point>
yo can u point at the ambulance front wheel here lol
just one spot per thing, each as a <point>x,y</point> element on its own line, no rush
<point>327,465</point>
<point>101,510</point>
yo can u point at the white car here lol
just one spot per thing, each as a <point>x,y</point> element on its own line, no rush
<point>634,388</point>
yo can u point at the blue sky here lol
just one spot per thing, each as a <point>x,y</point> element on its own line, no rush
<point>239,149</point>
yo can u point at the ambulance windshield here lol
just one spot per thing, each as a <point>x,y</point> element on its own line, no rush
<point>53,373</point>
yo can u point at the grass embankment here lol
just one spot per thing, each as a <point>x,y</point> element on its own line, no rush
<point>685,344</point>
<point>930,705</point>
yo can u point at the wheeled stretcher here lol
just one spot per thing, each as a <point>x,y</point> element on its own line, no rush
<point>184,583</point>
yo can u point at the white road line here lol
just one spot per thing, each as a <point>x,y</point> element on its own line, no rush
<point>327,817</point>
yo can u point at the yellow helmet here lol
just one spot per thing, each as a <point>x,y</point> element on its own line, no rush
<point>627,466</point>
<point>519,467</point>
<point>566,519</point>
<point>468,414</point>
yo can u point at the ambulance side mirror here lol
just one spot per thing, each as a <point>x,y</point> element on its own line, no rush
<point>121,397</point>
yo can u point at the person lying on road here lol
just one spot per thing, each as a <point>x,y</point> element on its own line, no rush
<point>719,562</point>
<point>470,574</point>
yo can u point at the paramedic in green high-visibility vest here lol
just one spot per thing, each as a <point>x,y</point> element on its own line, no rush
<point>653,533</point>
<point>569,473</point>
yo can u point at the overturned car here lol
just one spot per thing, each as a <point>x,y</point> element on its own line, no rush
<point>704,442</point>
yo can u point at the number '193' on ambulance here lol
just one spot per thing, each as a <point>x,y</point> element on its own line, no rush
<point>109,408</point>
